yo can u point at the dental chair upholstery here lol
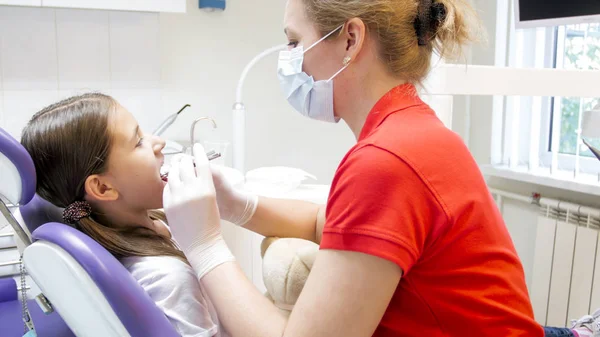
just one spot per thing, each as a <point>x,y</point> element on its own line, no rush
<point>38,212</point>
<point>90,289</point>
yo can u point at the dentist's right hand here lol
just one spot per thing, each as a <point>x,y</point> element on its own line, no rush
<point>190,203</point>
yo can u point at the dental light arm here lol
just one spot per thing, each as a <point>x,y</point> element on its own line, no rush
<point>239,112</point>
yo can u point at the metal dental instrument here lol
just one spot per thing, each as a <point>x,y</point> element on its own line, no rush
<point>193,128</point>
<point>192,131</point>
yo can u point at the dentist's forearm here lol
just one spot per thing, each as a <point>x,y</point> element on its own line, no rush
<point>288,218</point>
<point>242,310</point>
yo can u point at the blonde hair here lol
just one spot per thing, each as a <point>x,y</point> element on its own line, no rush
<point>69,141</point>
<point>407,31</point>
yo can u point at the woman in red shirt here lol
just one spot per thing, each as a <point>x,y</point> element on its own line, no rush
<point>412,243</point>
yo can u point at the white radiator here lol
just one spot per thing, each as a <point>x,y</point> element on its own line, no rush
<point>565,278</point>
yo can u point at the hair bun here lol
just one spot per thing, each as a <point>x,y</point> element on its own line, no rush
<point>438,13</point>
<point>430,16</point>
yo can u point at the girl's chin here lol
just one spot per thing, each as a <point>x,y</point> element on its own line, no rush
<point>158,205</point>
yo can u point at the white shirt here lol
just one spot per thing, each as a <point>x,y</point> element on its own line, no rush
<point>174,287</point>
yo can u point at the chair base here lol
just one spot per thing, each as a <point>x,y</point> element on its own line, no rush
<point>11,321</point>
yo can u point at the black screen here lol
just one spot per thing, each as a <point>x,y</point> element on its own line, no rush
<point>530,10</point>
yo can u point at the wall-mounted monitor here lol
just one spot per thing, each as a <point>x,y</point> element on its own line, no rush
<point>544,13</point>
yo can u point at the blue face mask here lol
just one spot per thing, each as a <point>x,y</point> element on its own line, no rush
<point>313,99</point>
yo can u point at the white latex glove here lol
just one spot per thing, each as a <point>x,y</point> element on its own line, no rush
<point>235,206</point>
<point>190,204</point>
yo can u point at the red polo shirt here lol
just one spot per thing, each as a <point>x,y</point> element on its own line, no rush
<point>410,192</point>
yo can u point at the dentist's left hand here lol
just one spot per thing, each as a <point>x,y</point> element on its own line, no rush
<point>190,203</point>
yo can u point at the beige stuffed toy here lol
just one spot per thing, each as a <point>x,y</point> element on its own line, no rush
<point>286,265</point>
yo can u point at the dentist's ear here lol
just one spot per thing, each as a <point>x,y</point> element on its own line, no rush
<point>354,32</point>
<point>99,188</point>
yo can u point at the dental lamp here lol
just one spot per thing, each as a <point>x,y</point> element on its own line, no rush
<point>239,112</point>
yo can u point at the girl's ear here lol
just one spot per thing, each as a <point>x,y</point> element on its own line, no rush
<point>98,188</point>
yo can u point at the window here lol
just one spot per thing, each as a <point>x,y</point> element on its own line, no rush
<point>577,47</point>
<point>540,135</point>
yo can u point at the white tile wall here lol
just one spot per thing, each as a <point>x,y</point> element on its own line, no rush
<point>51,54</point>
<point>144,104</point>
<point>134,50</point>
<point>28,49</point>
<point>83,46</point>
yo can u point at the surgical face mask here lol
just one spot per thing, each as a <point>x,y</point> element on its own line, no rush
<point>313,99</point>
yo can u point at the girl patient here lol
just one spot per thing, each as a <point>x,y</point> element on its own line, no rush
<point>92,158</point>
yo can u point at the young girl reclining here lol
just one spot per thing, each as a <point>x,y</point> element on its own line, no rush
<point>92,158</point>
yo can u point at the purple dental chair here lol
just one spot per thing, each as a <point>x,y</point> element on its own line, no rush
<point>91,293</point>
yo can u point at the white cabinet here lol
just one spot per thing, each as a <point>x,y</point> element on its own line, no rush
<point>167,6</point>
<point>33,3</point>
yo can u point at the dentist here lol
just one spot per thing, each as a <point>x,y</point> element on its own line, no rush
<point>412,243</point>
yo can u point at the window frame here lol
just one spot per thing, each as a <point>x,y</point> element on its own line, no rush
<point>551,108</point>
<point>552,117</point>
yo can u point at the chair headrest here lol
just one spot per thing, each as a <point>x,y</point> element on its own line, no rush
<point>17,171</point>
<point>136,310</point>
<point>38,212</point>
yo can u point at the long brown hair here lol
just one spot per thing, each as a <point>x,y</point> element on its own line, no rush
<point>69,141</point>
<point>396,26</point>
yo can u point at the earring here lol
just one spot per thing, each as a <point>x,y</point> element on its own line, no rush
<point>346,60</point>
